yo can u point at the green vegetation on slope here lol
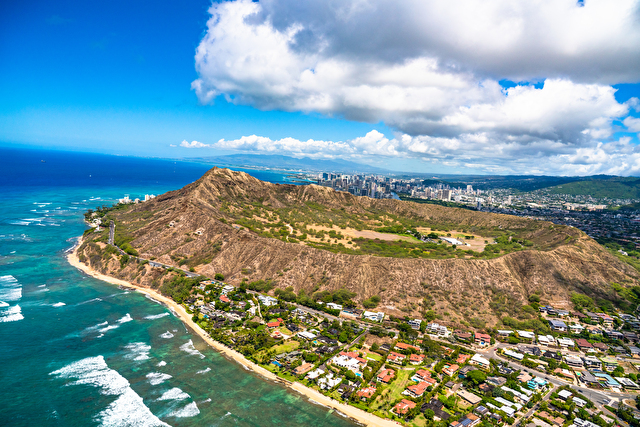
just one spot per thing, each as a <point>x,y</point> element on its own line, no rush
<point>614,188</point>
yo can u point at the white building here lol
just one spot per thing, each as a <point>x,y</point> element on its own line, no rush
<point>307,335</point>
<point>334,306</point>
<point>267,301</point>
<point>526,335</point>
<point>373,316</point>
<point>565,342</point>
<point>479,361</point>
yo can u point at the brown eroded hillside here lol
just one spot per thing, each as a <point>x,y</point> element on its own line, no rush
<point>231,223</point>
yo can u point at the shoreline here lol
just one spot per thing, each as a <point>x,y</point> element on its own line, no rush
<point>356,414</point>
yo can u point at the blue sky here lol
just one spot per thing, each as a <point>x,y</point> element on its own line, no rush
<point>117,77</point>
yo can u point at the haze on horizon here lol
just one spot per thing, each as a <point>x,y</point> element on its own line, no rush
<point>542,87</point>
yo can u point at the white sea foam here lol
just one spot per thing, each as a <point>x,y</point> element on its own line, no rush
<point>107,328</point>
<point>11,314</point>
<point>138,351</point>
<point>127,410</point>
<point>156,378</point>
<point>166,335</point>
<point>42,286</point>
<point>156,316</point>
<point>207,400</point>
<point>189,348</point>
<point>58,304</point>
<point>4,304</point>
<point>126,318</point>
<point>10,289</point>
<point>174,394</point>
<point>204,371</point>
<point>190,410</point>
<point>19,222</point>
<point>162,363</point>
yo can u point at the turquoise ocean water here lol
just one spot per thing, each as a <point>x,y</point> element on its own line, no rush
<point>75,351</point>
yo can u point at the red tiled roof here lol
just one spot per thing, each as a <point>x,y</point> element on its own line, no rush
<point>404,346</point>
<point>386,375</point>
<point>419,388</point>
<point>224,298</point>
<point>403,406</point>
<point>366,392</point>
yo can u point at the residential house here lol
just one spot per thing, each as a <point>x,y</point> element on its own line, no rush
<point>583,344</point>
<point>591,362</point>
<point>601,346</point>
<point>267,301</point>
<point>349,360</point>
<point>526,335</point>
<point>366,393</point>
<point>416,359</point>
<point>557,325</point>
<point>403,407</point>
<point>482,339</point>
<point>334,306</point>
<point>373,316</point>
<point>547,340</point>
<point>576,328</point>
<point>463,336</point>
<point>404,346</point>
<point>480,361</point>
<point>573,361</point>
<point>303,369</point>
<point>469,397</point>
<point>421,375</point>
<point>450,370</point>
<point>565,342</point>
<point>386,375</point>
<point>396,357</point>
<point>416,390</point>
<point>415,323</point>
<point>469,420</point>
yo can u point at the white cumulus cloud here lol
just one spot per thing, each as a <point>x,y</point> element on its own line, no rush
<point>430,69</point>
<point>193,144</point>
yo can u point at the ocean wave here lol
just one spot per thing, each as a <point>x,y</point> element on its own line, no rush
<point>91,300</point>
<point>4,304</point>
<point>190,348</point>
<point>190,410</point>
<point>127,410</point>
<point>156,316</point>
<point>174,394</point>
<point>10,289</point>
<point>166,335</point>
<point>207,400</point>
<point>156,378</point>
<point>162,363</point>
<point>12,314</point>
<point>58,304</point>
<point>107,328</point>
<point>138,351</point>
<point>125,319</point>
<point>204,371</point>
<point>19,222</point>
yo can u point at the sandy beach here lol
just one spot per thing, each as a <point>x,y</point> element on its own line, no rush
<point>313,395</point>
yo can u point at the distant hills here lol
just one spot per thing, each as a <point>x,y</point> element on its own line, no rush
<point>275,161</point>
<point>602,186</point>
